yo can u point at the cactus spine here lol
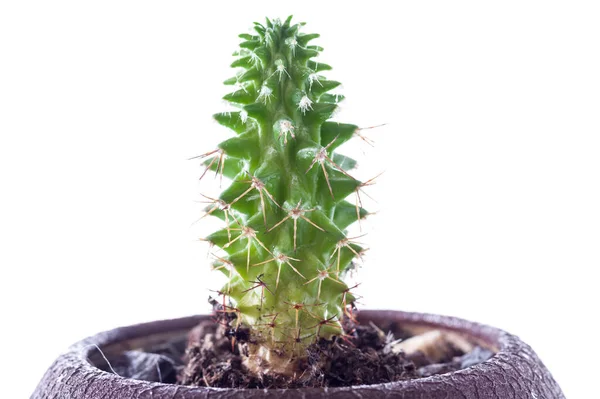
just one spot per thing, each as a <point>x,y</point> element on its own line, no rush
<point>284,241</point>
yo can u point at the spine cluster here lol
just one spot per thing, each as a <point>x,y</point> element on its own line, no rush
<point>284,245</point>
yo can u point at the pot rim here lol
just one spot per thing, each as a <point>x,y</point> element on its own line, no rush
<point>508,348</point>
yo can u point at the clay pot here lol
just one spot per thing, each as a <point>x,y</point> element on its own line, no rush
<point>513,372</point>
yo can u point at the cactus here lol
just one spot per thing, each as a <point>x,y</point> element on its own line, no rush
<point>285,248</point>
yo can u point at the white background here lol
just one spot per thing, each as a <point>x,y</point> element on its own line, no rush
<point>488,210</point>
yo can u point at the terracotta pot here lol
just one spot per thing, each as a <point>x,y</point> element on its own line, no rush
<point>513,372</point>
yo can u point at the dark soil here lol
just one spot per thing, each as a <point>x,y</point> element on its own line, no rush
<point>365,358</point>
<point>361,362</point>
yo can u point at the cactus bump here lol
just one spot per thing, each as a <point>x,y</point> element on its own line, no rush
<point>284,247</point>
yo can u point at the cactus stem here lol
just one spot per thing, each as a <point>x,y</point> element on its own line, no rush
<point>255,183</point>
<point>304,104</point>
<point>296,213</point>
<point>262,205</point>
<point>345,242</point>
<point>314,77</point>
<point>300,306</point>
<point>323,322</point>
<point>270,324</point>
<point>265,93</point>
<point>292,44</point>
<point>240,86</point>
<point>242,195</point>
<point>250,234</point>
<point>255,58</point>
<point>280,259</point>
<point>280,69</point>
<point>321,157</point>
<point>327,180</point>
<point>243,115</point>
<point>272,101</point>
<point>322,275</point>
<point>297,339</point>
<point>285,127</point>
<point>263,287</point>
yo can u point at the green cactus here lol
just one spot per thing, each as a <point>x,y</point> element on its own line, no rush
<point>286,211</point>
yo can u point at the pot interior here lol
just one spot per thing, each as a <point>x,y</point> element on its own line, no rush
<point>150,339</point>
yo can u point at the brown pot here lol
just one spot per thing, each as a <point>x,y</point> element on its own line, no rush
<point>514,371</point>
